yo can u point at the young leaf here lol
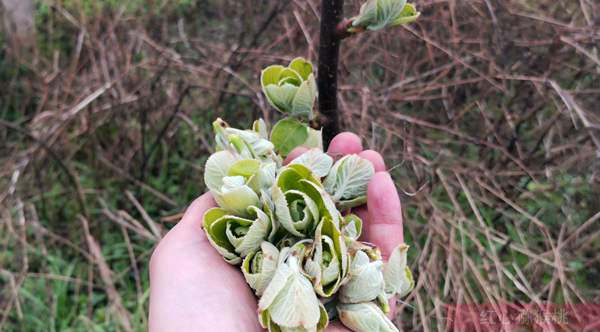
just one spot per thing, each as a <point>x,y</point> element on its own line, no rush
<point>259,267</point>
<point>288,134</point>
<point>289,300</point>
<point>408,14</point>
<point>352,226</point>
<point>364,317</point>
<point>217,237</point>
<point>235,195</point>
<point>349,177</point>
<point>302,67</point>
<point>216,169</point>
<point>315,160</point>
<point>315,139</point>
<point>366,280</point>
<point>397,275</point>
<point>303,101</point>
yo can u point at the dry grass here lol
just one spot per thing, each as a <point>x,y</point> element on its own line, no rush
<point>486,113</point>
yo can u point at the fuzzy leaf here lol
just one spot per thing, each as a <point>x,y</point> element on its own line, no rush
<point>315,139</point>
<point>235,195</point>
<point>352,226</point>
<point>328,263</point>
<point>315,160</point>
<point>364,317</point>
<point>259,267</point>
<point>365,282</point>
<point>217,237</point>
<point>349,177</point>
<point>289,299</point>
<point>251,233</point>
<point>216,169</point>
<point>303,101</point>
<point>397,275</point>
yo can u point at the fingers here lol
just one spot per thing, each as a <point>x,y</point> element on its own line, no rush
<point>375,158</point>
<point>384,226</point>
<point>343,144</point>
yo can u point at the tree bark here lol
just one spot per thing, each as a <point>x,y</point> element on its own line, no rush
<point>329,53</point>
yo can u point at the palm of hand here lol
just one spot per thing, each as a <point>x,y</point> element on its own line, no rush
<point>193,288</point>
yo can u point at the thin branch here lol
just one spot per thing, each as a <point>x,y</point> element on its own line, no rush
<point>329,53</point>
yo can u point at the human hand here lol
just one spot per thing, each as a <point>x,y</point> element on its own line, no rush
<point>193,289</point>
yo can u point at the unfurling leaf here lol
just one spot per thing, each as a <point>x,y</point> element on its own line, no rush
<point>408,14</point>
<point>364,317</point>
<point>379,14</point>
<point>259,267</point>
<point>347,180</point>
<point>235,196</point>
<point>216,169</point>
<point>315,160</point>
<point>245,143</point>
<point>396,273</point>
<point>235,237</point>
<point>289,301</point>
<point>291,90</point>
<point>300,201</point>
<point>315,139</point>
<point>365,280</point>
<point>352,226</point>
<point>328,260</point>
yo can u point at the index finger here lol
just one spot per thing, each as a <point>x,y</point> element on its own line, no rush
<point>383,223</point>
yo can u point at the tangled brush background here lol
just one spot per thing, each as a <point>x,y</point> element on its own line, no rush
<point>486,112</point>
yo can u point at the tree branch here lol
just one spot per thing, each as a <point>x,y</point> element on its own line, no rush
<point>329,52</point>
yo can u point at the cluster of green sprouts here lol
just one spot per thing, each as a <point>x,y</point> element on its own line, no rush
<point>285,225</point>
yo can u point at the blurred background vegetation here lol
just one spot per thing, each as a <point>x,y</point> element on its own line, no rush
<point>486,111</point>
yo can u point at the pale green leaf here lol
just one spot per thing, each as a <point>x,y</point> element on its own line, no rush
<point>397,275</point>
<point>409,14</point>
<point>349,177</point>
<point>315,139</point>
<point>303,101</point>
<point>260,127</point>
<point>367,14</point>
<point>302,67</point>
<point>316,160</point>
<point>289,298</point>
<point>216,169</point>
<point>344,205</point>
<point>364,317</point>
<point>271,75</point>
<point>236,196</point>
<point>251,233</point>
<point>215,232</point>
<point>259,267</point>
<point>245,168</point>
<point>352,226</point>
<point>323,199</point>
<point>281,96</point>
<point>365,282</point>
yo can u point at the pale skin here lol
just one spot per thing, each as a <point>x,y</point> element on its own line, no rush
<point>193,289</point>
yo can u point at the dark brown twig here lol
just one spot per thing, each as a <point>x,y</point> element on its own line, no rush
<point>329,53</point>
